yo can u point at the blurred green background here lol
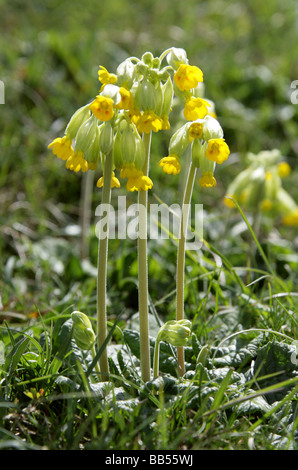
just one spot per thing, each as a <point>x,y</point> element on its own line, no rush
<point>49,56</point>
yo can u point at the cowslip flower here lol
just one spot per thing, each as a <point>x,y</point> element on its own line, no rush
<point>187,77</point>
<point>283,169</point>
<point>115,183</point>
<point>126,101</point>
<point>195,108</point>
<point>207,180</point>
<point>62,147</point>
<point>105,77</point>
<point>102,108</point>
<point>149,121</point>
<point>291,219</point>
<point>217,150</point>
<point>195,131</point>
<point>77,162</point>
<point>170,165</point>
<point>140,183</point>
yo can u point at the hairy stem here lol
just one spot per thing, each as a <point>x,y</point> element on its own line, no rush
<point>102,270</point>
<point>143,271</point>
<point>181,259</point>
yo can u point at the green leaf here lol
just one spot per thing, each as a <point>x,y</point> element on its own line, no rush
<point>15,354</point>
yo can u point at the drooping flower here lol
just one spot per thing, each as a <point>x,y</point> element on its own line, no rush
<point>115,183</point>
<point>106,77</point>
<point>62,147</point>
<point>102,108</point>
<point>77,162</point>
<point>140,183</point>
<point>126,101</point>
<point>187,77</point>
<point>291,219</point>
<point>195,131</point>
<point>207,180</point>
<point>170,165</point>
<point>149,121</point>
<point>195,108</point>
<point>217,150</point>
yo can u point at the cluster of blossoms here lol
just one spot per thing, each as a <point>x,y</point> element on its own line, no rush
<point>137,100</point>
<point>259,187</point>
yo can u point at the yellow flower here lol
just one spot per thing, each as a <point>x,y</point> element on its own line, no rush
<point>102,108</point>
<point>62,147</point>
<point>170,165</point>
<point>217,150</point>
<point>165,122</point>
<point>187,77</point>
<point>77,162</point>
<point>126,101</point>
<point>115,183</point>
<point>139,183</point>
<point>207,180</point>
<point>291,219</point>
<point>106,77</point>
<point>266,205</point>
<point>149,121</point>
<point>283,169</point>
<point>134,115</point>
<point>195,108</point>
<point>195,131</point>
<point>228,202</point>
<point>130,172</point>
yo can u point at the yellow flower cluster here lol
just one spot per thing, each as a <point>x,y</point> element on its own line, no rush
<point>259,187</point>
<point>134,102</point>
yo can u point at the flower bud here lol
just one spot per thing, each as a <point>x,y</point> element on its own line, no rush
<point>106,138</point>
<point>86,134</point>
<point>147,96</point>
<point>176,57</point>
<point>179,141</point>
<point>211,128</point>
<point>125,74</point>
<point>117,155</point>
<point>83,333</point>
<point>77,119</point>
<point>128,144</point>
<point>147,58</point>
<point>167,90</point>
<point>176,333</point>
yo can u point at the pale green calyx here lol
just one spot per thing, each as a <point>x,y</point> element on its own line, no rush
<point>176,333</point>
<point>77,119</point>
<point>83,333</point>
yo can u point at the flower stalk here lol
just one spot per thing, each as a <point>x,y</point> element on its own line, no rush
<point>180,274</point>
<point>143,270</point>
<point>102,271</point>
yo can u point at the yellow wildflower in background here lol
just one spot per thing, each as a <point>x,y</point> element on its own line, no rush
<point>187,77</point>
<point>283,169</point>
<point>217,150</point>
<point>170,165</point>
<point>291,219</point>
<point>102,108</point>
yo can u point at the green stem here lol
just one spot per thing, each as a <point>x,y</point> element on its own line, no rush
<point>156,358</point>
<point>143,271</point>
<point>181,259</point>
<point>102,270</point>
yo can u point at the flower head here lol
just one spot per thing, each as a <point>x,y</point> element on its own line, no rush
<point>217,150</point>
<point>62,147</point>
<point>77,162</point>
<point>83,332</point>
<point>140,183</point>
<point>102,108</point>
<point>170,165</point>
<point>187,77</point>
<point>195,108</point>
